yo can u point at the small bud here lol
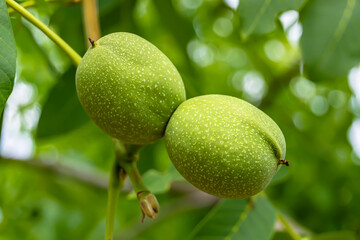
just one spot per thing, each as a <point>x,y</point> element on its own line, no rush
<point>153,202</point>
<point>149,206</point>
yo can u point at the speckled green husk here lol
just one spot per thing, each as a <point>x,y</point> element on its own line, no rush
<point>224,146</point>
<point>129,88</point>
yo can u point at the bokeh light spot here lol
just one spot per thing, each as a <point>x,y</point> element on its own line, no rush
<point>303,88</point>
<point>237,79</point>
<point>299,120</point>
<point>200,53</point>
<point>191,4</point>
<point>354,81</point>
<point>232,3</point>
<point>1,216</point>
<point>223,27</point>
<point>336,98</point>
<point>354,136</point>
<point>275,50</point>
<point>319,105</point>
<point>291,25</point>
<point>254,87</point>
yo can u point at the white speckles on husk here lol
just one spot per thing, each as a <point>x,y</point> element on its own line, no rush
<point>224,146</point>
<point>129,88</point>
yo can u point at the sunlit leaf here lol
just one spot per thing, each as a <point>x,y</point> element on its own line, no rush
<point>258,16</point>
<point>238,219</point>
<point>330,38</point>
<point>174,226</point>
<point>7,56</point>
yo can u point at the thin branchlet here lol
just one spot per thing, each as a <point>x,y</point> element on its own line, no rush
<point>285,162</point>
<point>93,43</point>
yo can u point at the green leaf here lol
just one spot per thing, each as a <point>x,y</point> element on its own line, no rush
<point>175,225</point>
<point>344,235</point>
<point>330,38</point>
<point>7,56</point>
<point>158,182</point>
<point>62,111</point>
<point>238,219</point>
<point>258,16</point>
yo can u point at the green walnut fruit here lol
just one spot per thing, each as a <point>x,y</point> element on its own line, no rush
<point>224,146</point>
<point>128,87</point>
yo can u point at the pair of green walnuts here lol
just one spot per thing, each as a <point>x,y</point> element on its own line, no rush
<point>222,145</point>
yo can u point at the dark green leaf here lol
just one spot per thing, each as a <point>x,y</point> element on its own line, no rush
<point>258,16</point>
<point>238,219</point>
<point>7,56</point>
<point>330,37</point>
<point>345,235</point>
<point>281,236</point>
<point>62,112</point>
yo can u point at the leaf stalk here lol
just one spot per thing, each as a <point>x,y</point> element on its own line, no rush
<point>74,56</point>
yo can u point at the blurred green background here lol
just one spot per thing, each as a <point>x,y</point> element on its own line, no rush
<point>297,60</point>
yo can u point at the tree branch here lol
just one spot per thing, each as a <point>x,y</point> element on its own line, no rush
<point>91,20</point>
<point>97,179</point>
<point>91,178</point>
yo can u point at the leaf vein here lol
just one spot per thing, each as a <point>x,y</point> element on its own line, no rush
<point>339,31</point>
<point>258,16</point>
<point>240,220</point>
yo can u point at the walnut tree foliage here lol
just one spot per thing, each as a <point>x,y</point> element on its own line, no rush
<point>290,58</point>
